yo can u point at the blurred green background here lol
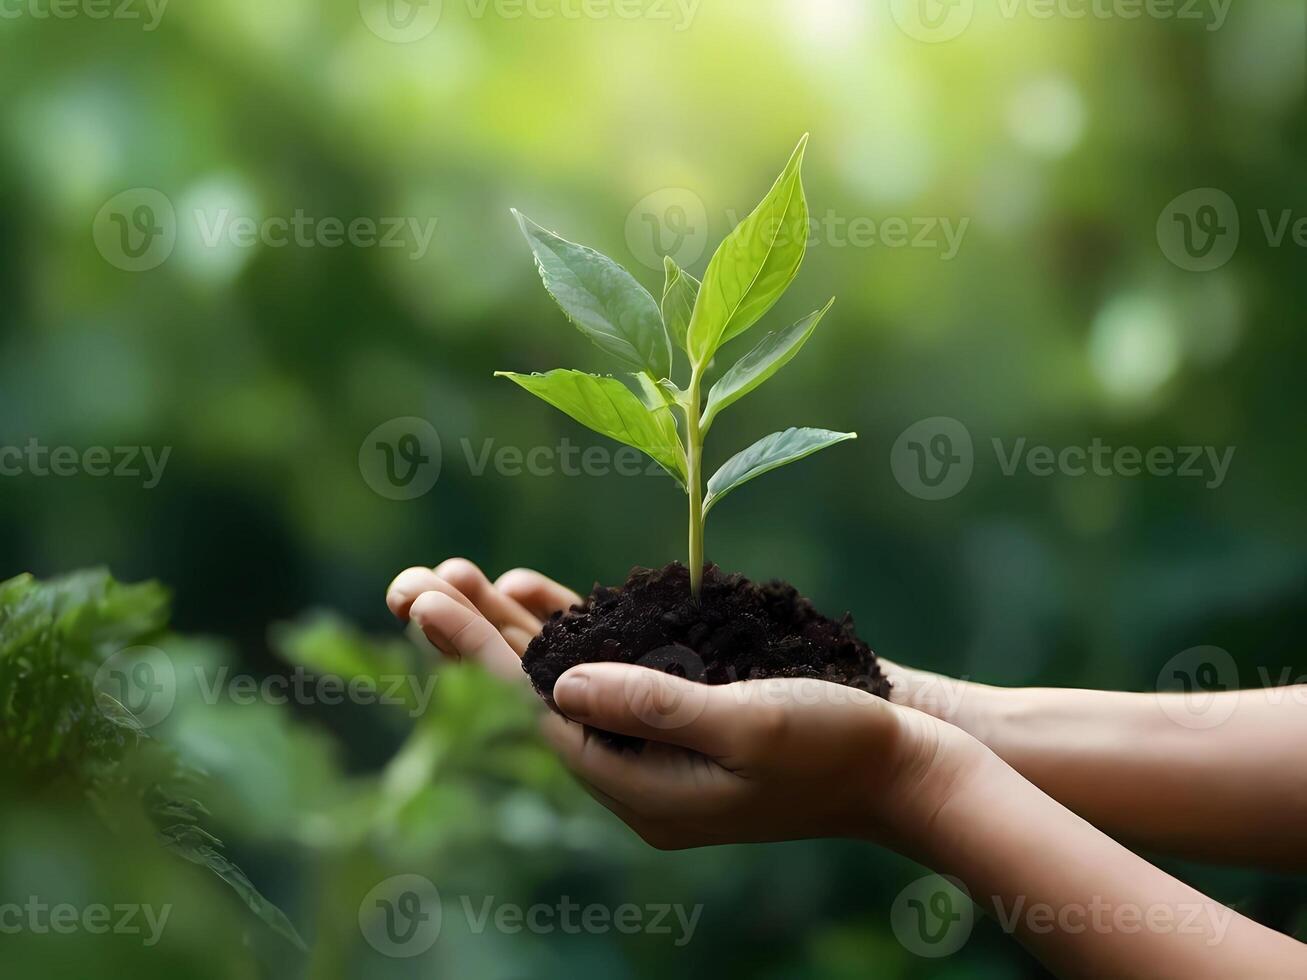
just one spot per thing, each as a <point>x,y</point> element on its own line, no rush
<point>1064,308</point>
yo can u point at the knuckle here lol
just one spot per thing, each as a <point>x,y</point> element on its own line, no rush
<point>426,605</point>
<point>461,574</point>
<point>517,580</point>
<point>770,723</point>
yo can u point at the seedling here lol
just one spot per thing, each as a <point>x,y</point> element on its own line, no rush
<point>749,272</point>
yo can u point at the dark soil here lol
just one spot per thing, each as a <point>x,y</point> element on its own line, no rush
<point>738,631</point>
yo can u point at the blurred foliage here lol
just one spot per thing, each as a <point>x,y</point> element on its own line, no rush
<point>1059,320</point>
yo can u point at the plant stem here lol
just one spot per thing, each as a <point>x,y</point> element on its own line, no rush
<point>694,480</point>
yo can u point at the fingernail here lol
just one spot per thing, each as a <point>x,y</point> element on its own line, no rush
<point>569,693</point>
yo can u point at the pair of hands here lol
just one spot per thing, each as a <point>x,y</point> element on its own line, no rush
<point>764,760</point>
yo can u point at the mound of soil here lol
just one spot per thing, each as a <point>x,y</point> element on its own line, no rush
<point>738,631</point>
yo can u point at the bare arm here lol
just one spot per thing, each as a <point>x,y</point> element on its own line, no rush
<point>1222,779</point>
<point>1082,903</point>
<point>779,760</point>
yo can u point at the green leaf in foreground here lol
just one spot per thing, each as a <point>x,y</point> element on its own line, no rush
<point>753,266</point>
<point>200,847</point>
<point>602,299</point>
<point>773,353</point>
<point>610,408</point>
<point>680,293</point>
<point>767,454</point>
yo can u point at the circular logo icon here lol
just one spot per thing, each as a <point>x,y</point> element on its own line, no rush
<point>140,680</point>
<point>401,21</point>
<point>670,222</point>
<point>933,916</point>
<point>400,917</point>
<point>1199,230</point>
<point>1191,684</point>
<point>933,459</point>
<point>653,704</point>
<point>136,230</point>
<point>933,21</point>
<point>400,459</point>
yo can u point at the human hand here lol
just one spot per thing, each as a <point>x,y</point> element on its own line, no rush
<point>757,760</point>
<point>467,617</point>
<point>765,760</point>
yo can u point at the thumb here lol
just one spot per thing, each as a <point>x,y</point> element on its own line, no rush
<point>629,700</point>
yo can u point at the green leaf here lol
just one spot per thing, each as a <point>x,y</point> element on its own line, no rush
<point>602,299</point>
<point>773,353</point>
<point>654,396</point>
<point>610,408</point>
<point>200,847</point>
<point>767,454</point>
<point>680,293</point>
<point>754,265</point>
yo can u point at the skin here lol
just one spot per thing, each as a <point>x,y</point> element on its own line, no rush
<point>1001,790</point>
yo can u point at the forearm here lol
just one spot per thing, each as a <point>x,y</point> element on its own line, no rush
<point>1236,791</point>
<point>1082,903</point>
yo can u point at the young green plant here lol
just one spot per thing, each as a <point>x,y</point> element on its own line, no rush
<point>749,272</point>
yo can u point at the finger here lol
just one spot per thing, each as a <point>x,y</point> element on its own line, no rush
<point>661,783</point>
<point>494,605</point>
<point>537,593</point>
<point>463,633</point>
<point>411,583</point>
<point>626,782</point>
<point>650,704</point>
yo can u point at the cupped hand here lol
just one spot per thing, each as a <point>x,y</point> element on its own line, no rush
<point>759,760</point>
<point>467,617</point>
<point>765,760</point>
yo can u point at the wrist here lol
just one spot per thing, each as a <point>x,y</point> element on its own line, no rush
<point>924,764</point>
<point>977,709</point>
